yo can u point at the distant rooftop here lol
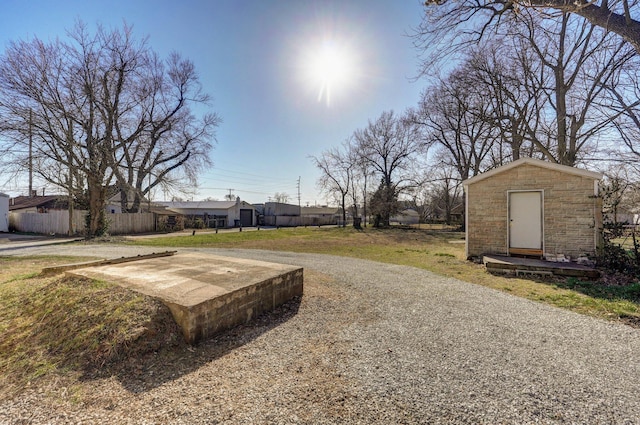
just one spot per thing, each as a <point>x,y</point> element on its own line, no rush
<point>22,202</point>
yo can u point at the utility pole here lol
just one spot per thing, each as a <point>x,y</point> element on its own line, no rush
<point>298,191</point>
<point>30,153</point>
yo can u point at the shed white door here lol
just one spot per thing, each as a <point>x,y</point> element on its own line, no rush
<point>525,220</point>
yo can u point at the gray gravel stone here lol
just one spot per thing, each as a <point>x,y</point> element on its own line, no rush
<point>370,343</point>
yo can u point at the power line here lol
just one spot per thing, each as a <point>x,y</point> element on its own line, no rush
<point>257,176</point>
<point>236,190</point>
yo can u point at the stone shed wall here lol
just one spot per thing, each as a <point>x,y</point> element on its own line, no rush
<point>571,214</point>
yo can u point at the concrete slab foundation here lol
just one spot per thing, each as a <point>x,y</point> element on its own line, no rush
<point>206,293</point>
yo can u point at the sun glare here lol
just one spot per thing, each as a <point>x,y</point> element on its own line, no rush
<point>329,70</point>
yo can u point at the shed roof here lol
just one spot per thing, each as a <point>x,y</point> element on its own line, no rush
<point>537,163</point>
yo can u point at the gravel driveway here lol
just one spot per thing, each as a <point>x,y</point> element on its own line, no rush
<point>370,343</point>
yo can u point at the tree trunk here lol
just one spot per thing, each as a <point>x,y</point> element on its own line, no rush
<point>96,224</point>
<point>137,201</point>
<point>344,210</point>
<point>124,200</point>
<point>516,139</point>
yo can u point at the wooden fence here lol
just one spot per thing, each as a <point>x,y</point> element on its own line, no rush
<point>122,224</point>
<point>57,222</point>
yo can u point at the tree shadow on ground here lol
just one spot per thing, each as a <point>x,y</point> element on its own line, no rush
<point>610,287</point>
<point>629,291</point>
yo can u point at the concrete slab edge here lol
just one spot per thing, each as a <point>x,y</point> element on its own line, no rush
<point>48,271</point>
<point>206,319</point>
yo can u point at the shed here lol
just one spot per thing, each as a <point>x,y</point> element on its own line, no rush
<point>533,208</point>
<point>4,212</point>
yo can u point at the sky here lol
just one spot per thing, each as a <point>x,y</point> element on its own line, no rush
<point>290,79</point>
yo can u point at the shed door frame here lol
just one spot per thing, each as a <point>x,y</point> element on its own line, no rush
<point>528,250</point>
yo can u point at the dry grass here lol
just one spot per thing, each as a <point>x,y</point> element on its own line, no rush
<point>439,251</point>
<point>64,328</point>
<point>55,326</point>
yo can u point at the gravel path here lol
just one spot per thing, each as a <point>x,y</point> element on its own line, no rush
<point>369,343</point>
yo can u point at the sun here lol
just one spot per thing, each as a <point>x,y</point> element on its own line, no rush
<point>329,69</point>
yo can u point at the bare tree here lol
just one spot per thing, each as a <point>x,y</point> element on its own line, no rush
<point>281,197</point>
<point>418,199</point>
<point>388,146</point>
<point>361,176</point>
<point>616,16</point>
<point>624,101</point>
<point>337,169</point>
<point>446,193</point>
<point>453,117</point>
<point>50,93</point>
<point>567,58</point>
<point>582,60</point>
<point>172,144</point>
<point>621,186</point>
<point>511,82</point>
<point>438,194</point>
<point>365,175</point>
<point>103,107</point>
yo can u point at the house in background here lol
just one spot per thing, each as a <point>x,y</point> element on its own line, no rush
<point>627,217</point>
<point>533,208</point>
<point>45,203</point>
<point>37,204</point>
<point>113,204</point>
<point>4,212</point>
<point>214,214</point>
<point>406,216</point>
<point>457,213</point>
